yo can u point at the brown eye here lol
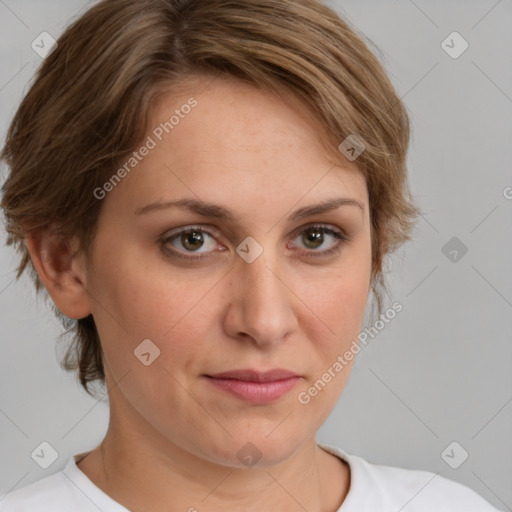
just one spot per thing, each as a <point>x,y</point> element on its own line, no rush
<point>321,240</point>
<point>312,238</point>
<point>192,240</point>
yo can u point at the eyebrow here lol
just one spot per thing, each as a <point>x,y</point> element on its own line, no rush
<point>219,212</point>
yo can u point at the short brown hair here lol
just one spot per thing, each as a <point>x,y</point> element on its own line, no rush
<point>90,102</point>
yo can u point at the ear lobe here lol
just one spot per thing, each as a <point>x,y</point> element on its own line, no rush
<point>60,267</point>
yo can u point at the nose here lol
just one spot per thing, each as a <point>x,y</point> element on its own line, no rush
<point>261,302</point>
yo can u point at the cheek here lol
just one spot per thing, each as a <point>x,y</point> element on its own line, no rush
<point>337,314</point>
<point>338,299</point>
<point>136,301</point>
<point>148,299</point>
<point>341,311</point>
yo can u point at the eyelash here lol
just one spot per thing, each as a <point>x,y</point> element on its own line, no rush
<point>340,235</point>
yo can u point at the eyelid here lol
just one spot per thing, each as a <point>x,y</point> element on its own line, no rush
<point>190,227</point>
<point>320,225</point>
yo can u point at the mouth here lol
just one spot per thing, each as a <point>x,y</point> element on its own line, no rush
<point>254,386</point>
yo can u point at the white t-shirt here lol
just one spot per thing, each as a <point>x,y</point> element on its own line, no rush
<point>373,488</point>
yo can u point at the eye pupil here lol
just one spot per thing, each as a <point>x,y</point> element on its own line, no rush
<point>192,240</point>
<point>313,239</point>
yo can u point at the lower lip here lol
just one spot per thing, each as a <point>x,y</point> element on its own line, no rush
<point>255,392</point>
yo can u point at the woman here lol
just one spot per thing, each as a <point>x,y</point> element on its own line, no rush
<point>207,190</point>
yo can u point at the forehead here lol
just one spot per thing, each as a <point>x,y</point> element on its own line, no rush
<point>232,115</point>
<point>222,139</point>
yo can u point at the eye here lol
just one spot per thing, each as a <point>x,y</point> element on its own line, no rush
<point>191,239</point>
<point>317,236</point>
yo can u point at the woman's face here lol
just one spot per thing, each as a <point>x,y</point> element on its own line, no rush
<point>290,297</point>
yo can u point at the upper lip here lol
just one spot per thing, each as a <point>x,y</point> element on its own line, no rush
<point>255,375</point>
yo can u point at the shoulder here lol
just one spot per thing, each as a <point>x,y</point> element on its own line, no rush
<point>63,491</point>
<point>380,487</point>
<point>51,493</point>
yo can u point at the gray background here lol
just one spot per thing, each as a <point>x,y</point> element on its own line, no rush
<point>441,370</point>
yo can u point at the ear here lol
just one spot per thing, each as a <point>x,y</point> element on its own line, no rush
<point>61,268</point>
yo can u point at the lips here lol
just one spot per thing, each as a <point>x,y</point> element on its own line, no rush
<point>249,375</point>
<point>255,387</point>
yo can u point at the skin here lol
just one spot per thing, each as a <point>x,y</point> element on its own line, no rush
<point>173,438</point>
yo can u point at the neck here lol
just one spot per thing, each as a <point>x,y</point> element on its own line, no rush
<point>142,479</point>
<point>143,470</point>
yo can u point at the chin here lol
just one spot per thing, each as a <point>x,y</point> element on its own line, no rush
<point>250,449</point>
